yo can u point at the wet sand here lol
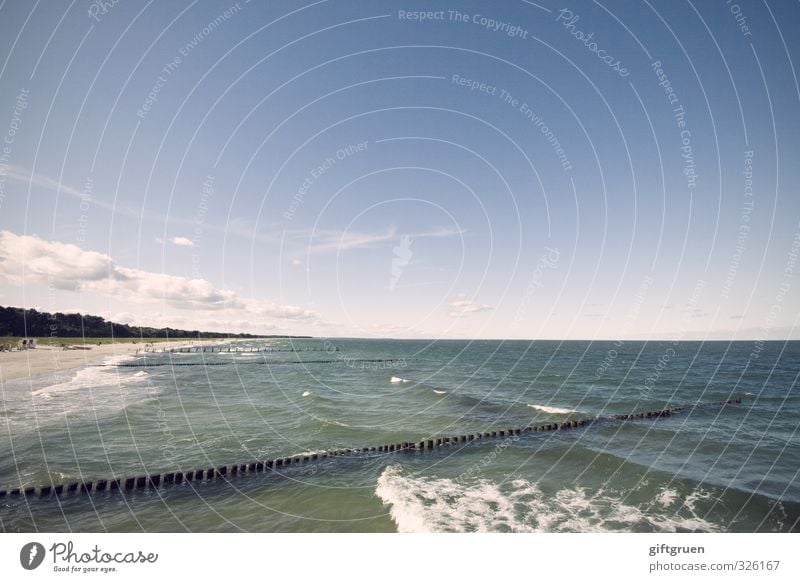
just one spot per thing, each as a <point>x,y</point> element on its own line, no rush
<point>46,360</point>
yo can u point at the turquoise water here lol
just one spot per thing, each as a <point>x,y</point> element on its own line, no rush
<point>711,469</point>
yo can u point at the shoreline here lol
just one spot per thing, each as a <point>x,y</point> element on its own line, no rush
<point>43,360</point>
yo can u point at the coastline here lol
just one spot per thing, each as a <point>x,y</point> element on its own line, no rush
<point>43,361</point>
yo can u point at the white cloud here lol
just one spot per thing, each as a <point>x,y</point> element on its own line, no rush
<point>25,259</point>
<point>28,260</point>
<point>462,305</point>
<point>181,241</point>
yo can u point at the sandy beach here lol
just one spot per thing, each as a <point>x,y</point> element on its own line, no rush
<point>49,360</point>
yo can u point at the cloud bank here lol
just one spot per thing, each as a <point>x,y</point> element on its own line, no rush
<point>30,260</point>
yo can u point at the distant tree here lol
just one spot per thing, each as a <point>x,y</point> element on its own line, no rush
<point>18,322</point>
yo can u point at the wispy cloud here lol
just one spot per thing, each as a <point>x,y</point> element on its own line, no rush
<point>602,316</point>
<point>328,241</point>
<point>26,177</point>
<point>336,241</point>
<point>21,175</point>
<point>26,260</point>
<point>236,227</point>
<point>462,305</point>
<point>439,232</point>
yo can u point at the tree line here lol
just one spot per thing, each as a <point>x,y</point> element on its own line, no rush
<point>18,322</point>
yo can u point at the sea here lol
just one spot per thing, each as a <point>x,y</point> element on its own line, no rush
<point>713,468</point>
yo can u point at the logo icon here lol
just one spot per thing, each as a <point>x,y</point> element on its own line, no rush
<point>31,555</point>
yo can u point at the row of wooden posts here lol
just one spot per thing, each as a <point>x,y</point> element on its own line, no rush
<point>349,362</point>
<point>220,350</point>
<point>224,472</point>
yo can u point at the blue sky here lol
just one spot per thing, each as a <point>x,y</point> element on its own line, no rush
<point>518,169</point>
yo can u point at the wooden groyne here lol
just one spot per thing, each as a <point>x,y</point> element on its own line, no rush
<point>225,472</point>
<point>228,349</point>
<point>346,361</point>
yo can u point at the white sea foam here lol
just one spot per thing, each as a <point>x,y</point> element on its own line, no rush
<point>396,380</point>
<point>307,393</point>
<point>117,360</point>
<point>551,409</point>
<point>667,497</point>
<point>695,496</point>
<point>92,377</point>
<point>427,504</point>
<point>439,391</point>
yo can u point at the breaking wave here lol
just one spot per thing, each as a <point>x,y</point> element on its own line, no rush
<point>551,409</point>
<point>428,504</point>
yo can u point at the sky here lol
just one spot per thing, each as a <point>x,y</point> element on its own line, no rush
<point>594,170</point>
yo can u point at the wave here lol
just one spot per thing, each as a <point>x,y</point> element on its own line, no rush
<point>92,377</point>
<point>307,393</point>
<point>396,380</point>
<point>551,409</point>
<point>439,391</point>
<point>428,504</point>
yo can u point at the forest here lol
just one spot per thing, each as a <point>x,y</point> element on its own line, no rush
<point>18,322</point>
